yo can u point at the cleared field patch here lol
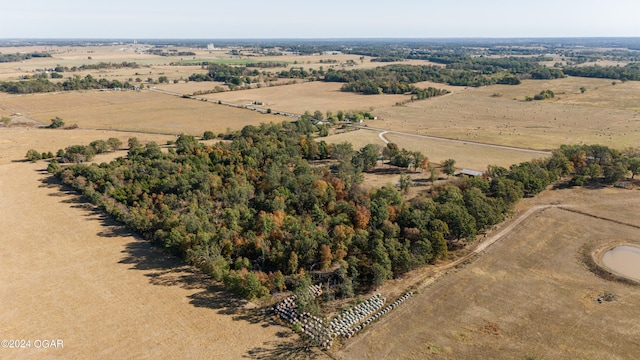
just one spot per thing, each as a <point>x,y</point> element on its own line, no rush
<point>310,96</point>
<point>529,295</point>
<point>605,114</point>
<point>132,110</point>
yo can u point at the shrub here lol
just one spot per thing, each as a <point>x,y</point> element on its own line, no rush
<point>208,135</point>
<point>33,155</point>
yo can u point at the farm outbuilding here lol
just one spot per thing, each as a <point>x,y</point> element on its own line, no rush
<point>472,173</point>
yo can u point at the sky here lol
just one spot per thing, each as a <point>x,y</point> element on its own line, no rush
<point>255,19</point>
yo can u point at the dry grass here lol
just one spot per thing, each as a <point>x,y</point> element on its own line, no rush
<point>15,141</point>
<point>310,96</point>
<point>467,156</point>
<point>604,114</point>
<point>528,295</point>
<point>131,110</point>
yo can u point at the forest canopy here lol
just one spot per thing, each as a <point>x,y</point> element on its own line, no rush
<point>253,210</point>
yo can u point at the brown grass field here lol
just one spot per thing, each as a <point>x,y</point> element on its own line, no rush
<point>530,295</point>
<point>605,114</point>
<point>309,96</point>
<point>142,111</point>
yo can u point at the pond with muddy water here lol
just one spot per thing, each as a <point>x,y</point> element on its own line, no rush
<point>623,260</point>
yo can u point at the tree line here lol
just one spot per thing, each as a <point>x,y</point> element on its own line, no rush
<point>628,72</point>
<point>22,56</point>
<point>41,85</point>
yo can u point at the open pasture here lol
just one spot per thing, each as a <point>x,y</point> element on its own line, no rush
<point>530,295</point>
<point>605,114</point>
<point>310,96</point>
<point>132,110</point>
<point>467,155</point>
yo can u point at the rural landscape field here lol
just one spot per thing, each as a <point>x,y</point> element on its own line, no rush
<point>162,199</point>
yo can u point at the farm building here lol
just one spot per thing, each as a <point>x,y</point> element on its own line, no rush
<point>472,173</point>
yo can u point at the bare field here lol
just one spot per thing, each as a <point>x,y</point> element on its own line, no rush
<point>70,274</point>
<point>605,114</point>
<point>541,303</point>
<point>310,96</point>
<point>132,110</point>
<point>466,155</point>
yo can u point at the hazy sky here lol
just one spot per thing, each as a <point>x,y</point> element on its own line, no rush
<point>211,19</point>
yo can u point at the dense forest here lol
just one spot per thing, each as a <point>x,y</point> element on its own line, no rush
<point>397,79</point>
<point>255,213</point>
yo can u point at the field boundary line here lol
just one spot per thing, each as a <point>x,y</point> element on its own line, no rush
<point>463,142</point>
<point>576,211</point>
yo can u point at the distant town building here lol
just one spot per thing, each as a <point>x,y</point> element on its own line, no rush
<point>210,46</point>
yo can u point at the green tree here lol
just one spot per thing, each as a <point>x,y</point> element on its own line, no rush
<point>391,151</point>
<point>56,122</point>
<point>614,172</point>
<point>593,171</point>
<point>449,167</point>
<point>304,299</point>
<point>405,183</point>
<point>208,135</point>
<point>634,166</point>
<point>292,264</point>
<point>114,143</point>
<point>100,146</point>
<point>367,158</point>
<point>186,144</point>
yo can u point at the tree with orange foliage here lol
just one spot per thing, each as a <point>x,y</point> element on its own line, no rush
<point>325,256</point>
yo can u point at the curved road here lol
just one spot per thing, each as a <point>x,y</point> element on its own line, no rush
<point>464,142</point>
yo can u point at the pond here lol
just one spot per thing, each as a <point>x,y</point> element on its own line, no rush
<point>623,260</point>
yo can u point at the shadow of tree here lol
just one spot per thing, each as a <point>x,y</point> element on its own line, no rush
<point>164,269</point>
<point>282,350</point>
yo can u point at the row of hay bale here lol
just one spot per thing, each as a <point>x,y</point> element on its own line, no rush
<point>342,324</point>
<point>377,315</point>
<point>346,324</point>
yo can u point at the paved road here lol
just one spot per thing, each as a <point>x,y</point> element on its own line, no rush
<point>464,142</point>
